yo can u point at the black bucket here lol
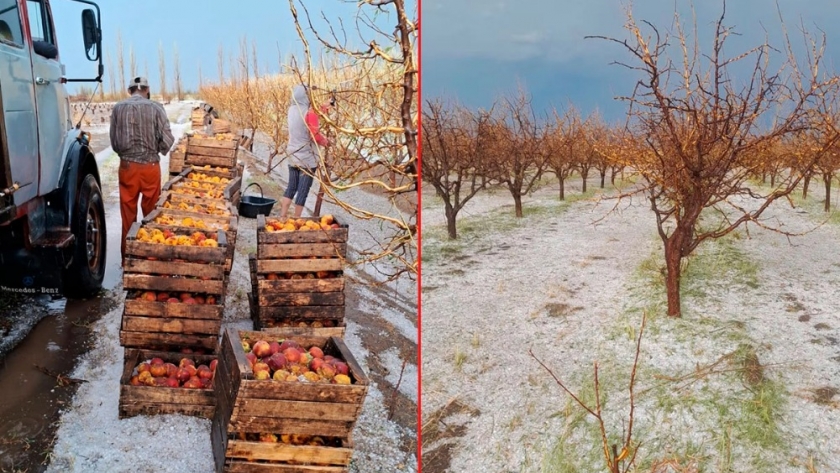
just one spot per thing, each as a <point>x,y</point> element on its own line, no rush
<point>250,205</point>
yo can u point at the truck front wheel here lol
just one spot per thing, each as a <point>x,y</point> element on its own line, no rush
<point>86,272</point>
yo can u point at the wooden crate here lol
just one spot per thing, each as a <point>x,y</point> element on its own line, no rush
<point>277,325</point>
<point>155,400</point>
<point>245,404</point>
<point>203,150</point>
<point>176,159</point>
<point>172,201</point>
<point>294,299</point>
<point>172,269</point>
<point>214,223</point>
<point>247,456</point>
<point>229,192</point>
<point>331,242</point>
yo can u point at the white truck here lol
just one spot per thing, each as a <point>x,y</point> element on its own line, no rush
<point>52,218</point>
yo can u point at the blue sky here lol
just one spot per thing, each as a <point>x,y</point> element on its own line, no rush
<point>475,49</point>
<point>196,27</point>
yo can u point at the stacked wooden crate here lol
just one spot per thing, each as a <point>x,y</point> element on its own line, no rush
<point>176,157</point>
<point>297,277</point>
<point>216,155</point>
<point>174,307</point>
<point>302,423</point>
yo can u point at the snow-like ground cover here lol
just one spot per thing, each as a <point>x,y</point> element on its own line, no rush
<point>747,380</point>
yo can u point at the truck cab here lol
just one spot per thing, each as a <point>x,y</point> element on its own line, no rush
<point>52,219</point>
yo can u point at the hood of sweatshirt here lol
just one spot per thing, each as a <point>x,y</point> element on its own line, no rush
<point>299,96</point>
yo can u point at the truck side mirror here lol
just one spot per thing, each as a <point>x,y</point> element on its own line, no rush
<point>92,35</point>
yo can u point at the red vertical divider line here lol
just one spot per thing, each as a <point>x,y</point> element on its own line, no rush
<point>419,167</point>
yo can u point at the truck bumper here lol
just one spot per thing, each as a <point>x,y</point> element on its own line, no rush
<point>33,272</point>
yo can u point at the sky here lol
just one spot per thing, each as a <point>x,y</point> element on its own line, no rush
<point>474,50</point>
<point>196,27</point>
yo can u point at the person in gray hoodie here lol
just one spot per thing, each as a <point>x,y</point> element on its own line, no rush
<point>302,150</point>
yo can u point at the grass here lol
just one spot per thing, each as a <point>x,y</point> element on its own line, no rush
<point>735,414</point>
<point>459,359</point>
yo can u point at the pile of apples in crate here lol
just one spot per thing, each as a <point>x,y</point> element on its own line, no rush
<point>168,237</point>
<point>187,375</point>
<point>288,361</point>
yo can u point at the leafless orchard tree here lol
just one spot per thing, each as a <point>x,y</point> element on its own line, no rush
<point>698,130</point>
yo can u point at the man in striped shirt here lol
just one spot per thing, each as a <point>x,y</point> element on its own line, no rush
<point>140,133</point>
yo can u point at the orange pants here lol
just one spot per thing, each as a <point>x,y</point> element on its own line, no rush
<point>137,179</point>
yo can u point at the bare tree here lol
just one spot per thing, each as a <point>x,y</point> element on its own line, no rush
<point>132,61</point>
<point>518,154</point>
<point>452,141</point>
<point>176,65</point>
<point>162,70</point>
<point>563,141</point>
<point>220,63</point>
<point>121,61</point>
<point>698,131</point>
<point>112,78</point>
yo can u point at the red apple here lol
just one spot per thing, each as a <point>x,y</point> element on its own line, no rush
<point>288,343</point>
<point>171,370</point>
<point>143,367</point>
<point>316,363</point>
<point>252,358</point>
<point>172,300</point>
<point>162,297</point>
<point>160,381</point>
<point>316,352</point>
<point>204,372</point>
<point>135,381</point>
<point>262,349</point>
<point>292,354</point>
<point>185,362</point>
<point>341,368</point>
<point>199,300</point>
<point>185,295</point>
<point>149,296</point>
<point>189,300</point>
<point>275,347</point>
<point>260,366</point>
<point>210,300</point>
<point>183,375</point>
<point>157,361</point>
<point>277,361</point>
<point>213,365</point>
<point>172,382</point>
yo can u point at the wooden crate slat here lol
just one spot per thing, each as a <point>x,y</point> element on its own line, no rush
<point>299,265</point>
<point>289,250</point>
<point>160,283</point>
<point>203,254</point>
<point>213,143</point>
<point>337,235</point>
<point>337,456</point>
<point>211,151</point>
<point>163,395</point>
<point>236,466</point>
<point>144,266</point>
<point>166,309</point>
<point>180,340</point>
<point>132,410</point>
<point>170,325</point>
<point>300,285</point>
<point>301,298</point>
<point>334,312</point>
<point>245,408</point>
<point>197,159</point>
<point>285,424</point>
<point>321,331</point>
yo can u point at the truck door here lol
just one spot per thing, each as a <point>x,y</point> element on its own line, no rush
<point>50,96</point>
<point>18,92</point>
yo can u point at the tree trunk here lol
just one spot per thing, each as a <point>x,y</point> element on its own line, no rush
<point>772,179</point>
<point>612,178</point>
<point>764,178</point>
<point>562,187</point>
<point>584,175</point>
<point>451,228</point>
<point>603,176</point>
<point>827,178</point>
<point>673,256</point>
<point>805,183</point>
<point>517,200</point>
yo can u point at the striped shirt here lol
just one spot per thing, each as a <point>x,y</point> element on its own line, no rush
<point>140,130</point>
